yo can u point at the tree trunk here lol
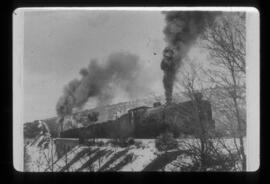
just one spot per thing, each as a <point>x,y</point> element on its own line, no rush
<point>234,97</point>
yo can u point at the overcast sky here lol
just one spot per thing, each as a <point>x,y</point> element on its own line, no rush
<point>57,44</point>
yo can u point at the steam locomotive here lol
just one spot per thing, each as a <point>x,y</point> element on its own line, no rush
<point>180,119</point>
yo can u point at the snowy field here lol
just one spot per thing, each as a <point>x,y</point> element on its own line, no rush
<point>40,156</point>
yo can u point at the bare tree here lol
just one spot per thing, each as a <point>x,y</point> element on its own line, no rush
<point>193,88</point>
<point>208,151</point>
<point>26,159</point>
<point>49,155</point>
<point>225,42</point>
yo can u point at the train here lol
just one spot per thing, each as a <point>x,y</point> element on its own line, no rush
<point>181,119</point>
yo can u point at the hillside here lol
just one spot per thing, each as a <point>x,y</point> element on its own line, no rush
<point>108,112</point>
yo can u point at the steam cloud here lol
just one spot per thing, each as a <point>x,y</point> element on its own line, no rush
<point>121,71</point>
<point>181,31</point>
<point>99,81</point>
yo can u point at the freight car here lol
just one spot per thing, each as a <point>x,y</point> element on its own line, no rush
<point>149,122</point>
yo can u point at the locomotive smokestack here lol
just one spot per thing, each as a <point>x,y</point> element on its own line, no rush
<point>181,31</point>
<point>168,66</point>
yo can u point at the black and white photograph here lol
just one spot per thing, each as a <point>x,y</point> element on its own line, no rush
<point>136,89</point>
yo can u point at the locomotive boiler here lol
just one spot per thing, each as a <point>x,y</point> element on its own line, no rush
<point>149,122</point>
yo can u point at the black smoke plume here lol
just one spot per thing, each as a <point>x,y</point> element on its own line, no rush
<point>181,31</point>
<point>97,81</point>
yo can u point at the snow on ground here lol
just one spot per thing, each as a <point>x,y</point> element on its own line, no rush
<point>84,163</point>
<point>67,158</point>
<point>143,156</point>
<point>106,157</point>
<point>41,153</point>
<point>183,159</point>
<point>112,157</point>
